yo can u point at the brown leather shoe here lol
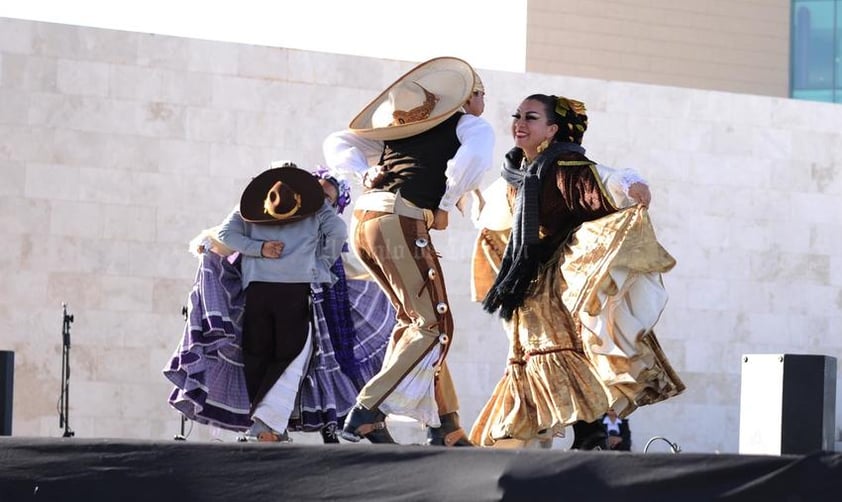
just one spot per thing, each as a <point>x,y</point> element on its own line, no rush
<point>273,437</point>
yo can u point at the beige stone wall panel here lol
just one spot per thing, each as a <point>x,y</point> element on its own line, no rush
<point>738,46</point>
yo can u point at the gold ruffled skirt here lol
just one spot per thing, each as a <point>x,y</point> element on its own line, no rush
<point>583,341</point>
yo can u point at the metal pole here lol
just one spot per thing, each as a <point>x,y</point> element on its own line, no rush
<point>64,406</point>
<point>182,436</point>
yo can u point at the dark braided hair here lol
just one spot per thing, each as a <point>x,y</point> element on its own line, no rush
<point>568,114</point>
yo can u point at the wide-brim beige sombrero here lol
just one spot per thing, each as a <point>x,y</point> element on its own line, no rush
<point>450,79</point>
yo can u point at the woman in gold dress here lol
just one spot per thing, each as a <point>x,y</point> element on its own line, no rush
<point>577,282</point>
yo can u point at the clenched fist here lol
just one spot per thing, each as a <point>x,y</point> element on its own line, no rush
<point>272,249</point>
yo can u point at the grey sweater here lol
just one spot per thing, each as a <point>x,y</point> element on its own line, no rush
<point>311,246</point>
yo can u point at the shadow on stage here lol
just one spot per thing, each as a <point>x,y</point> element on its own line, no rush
<point>70,469</point>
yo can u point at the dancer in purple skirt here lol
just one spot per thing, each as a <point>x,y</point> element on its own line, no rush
<point>351,322</point>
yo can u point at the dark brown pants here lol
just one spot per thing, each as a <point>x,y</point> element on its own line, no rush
<point>275,326</point>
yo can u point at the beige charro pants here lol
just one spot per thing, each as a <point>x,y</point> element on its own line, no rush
<point>397,251</point>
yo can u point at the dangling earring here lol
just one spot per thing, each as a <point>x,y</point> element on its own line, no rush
<point>544,145</point>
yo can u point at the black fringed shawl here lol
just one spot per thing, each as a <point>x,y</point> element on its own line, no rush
<point>523,256</point>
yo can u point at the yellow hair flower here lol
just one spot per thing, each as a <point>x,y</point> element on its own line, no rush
<point>563,105</point>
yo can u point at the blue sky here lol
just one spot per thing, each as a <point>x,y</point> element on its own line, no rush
<point>490,34</point>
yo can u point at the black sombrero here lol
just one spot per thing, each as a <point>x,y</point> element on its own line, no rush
<point>281,195</point>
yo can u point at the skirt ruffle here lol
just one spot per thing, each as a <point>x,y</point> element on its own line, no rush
<point>621,298</point>
<point>528,403</point>
<point>327,394</point>
<point>374,318</point>
<point>583,395</point>
<point>207,366</point>
<point>509,413</point>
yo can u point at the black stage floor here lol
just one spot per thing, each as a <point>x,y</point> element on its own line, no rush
<point>71,469</point>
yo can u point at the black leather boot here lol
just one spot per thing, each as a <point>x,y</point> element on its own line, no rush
<point>380,436</point>
<point>369,424</point>
<point>449,434</point>
<point>329,435</point>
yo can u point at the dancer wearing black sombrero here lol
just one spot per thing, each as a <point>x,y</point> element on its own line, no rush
<point>288,237</point>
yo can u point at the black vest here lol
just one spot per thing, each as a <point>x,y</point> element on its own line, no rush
<point>416,165</point>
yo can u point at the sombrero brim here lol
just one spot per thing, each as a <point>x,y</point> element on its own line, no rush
<point>299,180</point>
<point>453,84</point>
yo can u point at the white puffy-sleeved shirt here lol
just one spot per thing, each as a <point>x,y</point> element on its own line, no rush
<point>617,182</point>
<point>350,155</point>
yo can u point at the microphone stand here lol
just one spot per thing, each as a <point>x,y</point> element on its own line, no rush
<point>64,403</point>
<point>182,436</point>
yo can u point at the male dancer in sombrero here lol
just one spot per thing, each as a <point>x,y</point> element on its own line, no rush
<point>288,237</point>
<point>427,153</point>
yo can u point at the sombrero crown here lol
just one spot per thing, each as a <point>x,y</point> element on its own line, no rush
<point>281,195</point>
<point>421,99</point>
